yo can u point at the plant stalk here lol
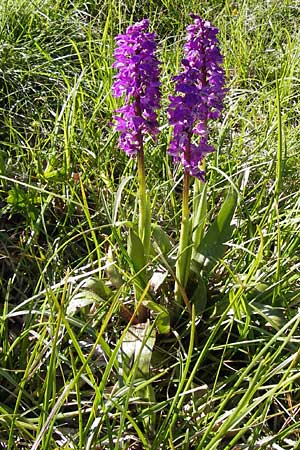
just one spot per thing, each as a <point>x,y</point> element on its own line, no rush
<point>144,226</point>
<point>144,206</point>
<point>184,250</point>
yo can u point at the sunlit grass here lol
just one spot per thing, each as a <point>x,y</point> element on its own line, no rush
<point>227,380</point>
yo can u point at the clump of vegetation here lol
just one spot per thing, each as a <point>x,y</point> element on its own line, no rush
<point>79,368</point>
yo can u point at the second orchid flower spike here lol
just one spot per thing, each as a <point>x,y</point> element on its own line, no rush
<point>199,93</point>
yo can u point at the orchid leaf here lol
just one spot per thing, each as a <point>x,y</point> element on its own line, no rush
<point>81,300</point>
<point>92,291</point>
<point>162,316</point>
<point>136,350</point>
<point>213,244</point>
<point>199,213</point>
<point>161,239</point>
<point>135,360</point>
<point>136,253</point>
<point>118,198</point>
<point>97,286</point>
<point>199,296</point>
<point>112,271</point>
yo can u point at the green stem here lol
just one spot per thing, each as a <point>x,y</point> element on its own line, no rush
<point>199,211</point>
<point>144,204</point>
<point>184,250</point>
<point>144,225</point>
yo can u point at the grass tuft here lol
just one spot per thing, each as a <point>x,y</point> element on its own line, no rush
<point>227,380</point>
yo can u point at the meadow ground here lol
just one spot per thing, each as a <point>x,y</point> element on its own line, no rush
<point>224,378</point>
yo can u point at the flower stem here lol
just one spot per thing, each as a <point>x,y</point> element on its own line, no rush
<point>144,206</point>
<point>184,250</point>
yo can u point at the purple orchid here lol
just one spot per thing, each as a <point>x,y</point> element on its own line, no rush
<point>137,78</point>
<point>199,96</point>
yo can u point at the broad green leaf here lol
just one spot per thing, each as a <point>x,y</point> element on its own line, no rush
<point>17,197</point>
<point>136,350</point>
<point>82,299</point>
<point>212,246</point>
<point>199,296</point>
<point>97,286</point>
<point>274,316</point>
<point>135,359</point>
<point>161,239</point>
<point>93,290</point>
<point>54,174</point>
<point>25,202</point>
<point>118,198</point>
<point>199,213</point>
<point>136,253</point>
<point>162,316</point>
<point>184,257</point>
<point>145,224</point>
<point>111,270</point>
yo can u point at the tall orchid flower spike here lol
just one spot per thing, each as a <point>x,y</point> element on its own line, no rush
<point>199,93</point>
<point>137,79</point>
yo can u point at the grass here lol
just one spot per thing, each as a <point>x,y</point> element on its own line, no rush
<point>226,380</point>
